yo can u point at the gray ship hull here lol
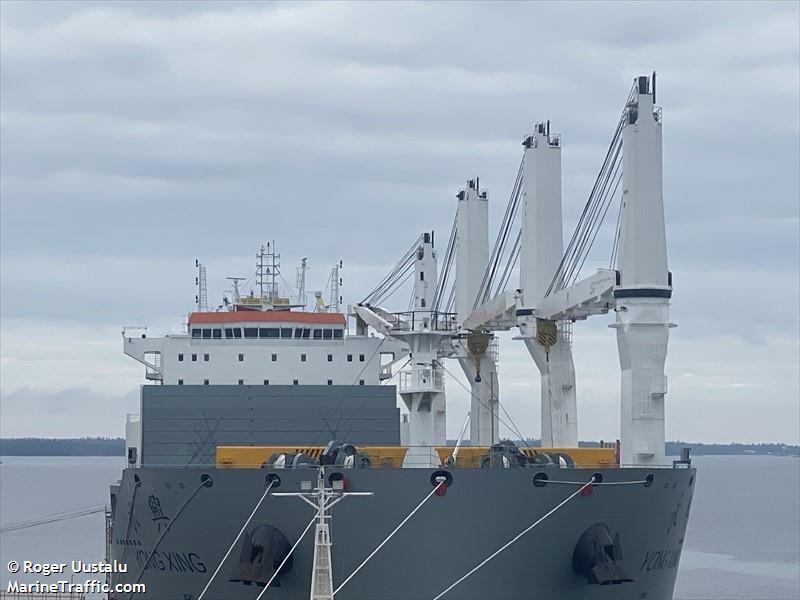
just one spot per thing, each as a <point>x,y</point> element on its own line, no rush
<point>448,536</point>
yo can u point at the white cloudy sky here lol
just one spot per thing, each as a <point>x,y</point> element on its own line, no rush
<point>136,137</point>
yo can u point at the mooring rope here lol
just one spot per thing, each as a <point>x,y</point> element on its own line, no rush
<point>383,543</point>
<point>515,538</point>
<point>137,483</point>
<point>599,483</point>
<point>203,483</point>
<point>239,535</point>
<point>283,562</point>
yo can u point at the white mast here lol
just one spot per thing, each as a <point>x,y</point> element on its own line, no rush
<point>302,301</point>
<point>542,248</point>
<point>322,499</point>
<point>422,387</point>
<point>336,284</point>
<point>644,287</point>
<point>202,289</point>
<point>472,258</point>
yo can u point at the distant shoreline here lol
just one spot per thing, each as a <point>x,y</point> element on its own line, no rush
<point>116,447</point>
<point>62,447</point>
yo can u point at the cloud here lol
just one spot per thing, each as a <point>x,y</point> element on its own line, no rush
<point>138,136</point>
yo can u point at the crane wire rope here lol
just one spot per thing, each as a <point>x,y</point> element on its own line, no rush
<point>512,427</point>
<point>597,196</point>
<point>449,259</point>
<point>374,297</point>
<point>498,249</point>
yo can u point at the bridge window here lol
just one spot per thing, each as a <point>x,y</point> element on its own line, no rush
<point>233,332</point>
<point>327,333</point>
<point>318,334</point>
<point>338,334</point>
<point>286,332</point>
<point>180,357</point>
<point>298,332</point>
<point>306,333</point>
<point>269,332</point>
<point>206,334</point>
<point>196,333</point>
<point>217,334</point>
<point>251,332</point>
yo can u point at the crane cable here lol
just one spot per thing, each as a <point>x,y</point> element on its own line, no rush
<point>594,210</point>
<point>487,283</point>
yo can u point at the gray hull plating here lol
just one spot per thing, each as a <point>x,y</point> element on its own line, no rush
<point>481,511</point>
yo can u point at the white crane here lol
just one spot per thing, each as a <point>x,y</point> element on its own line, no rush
<point>550,297</point>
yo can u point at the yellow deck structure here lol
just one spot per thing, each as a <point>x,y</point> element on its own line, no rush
<point>391,457</point>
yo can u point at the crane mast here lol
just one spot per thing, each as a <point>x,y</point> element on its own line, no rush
<point>474,351</point>
<point>547,341</point>
<point>645,284</point>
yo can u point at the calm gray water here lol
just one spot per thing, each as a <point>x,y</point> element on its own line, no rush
<point>743,540</point>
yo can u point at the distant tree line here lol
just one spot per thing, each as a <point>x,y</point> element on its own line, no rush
<point>101,446</point>
<point>97,446</point>
<point>698,448</point>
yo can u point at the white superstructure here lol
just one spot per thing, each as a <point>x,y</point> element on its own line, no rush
<point>260,348</point>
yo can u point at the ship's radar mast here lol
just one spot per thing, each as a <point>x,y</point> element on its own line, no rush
<point>202,290</point>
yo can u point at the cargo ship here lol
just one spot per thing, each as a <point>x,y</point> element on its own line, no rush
<point>293,452</point>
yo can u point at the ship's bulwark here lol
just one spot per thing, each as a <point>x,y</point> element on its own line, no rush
<point>481,511</point>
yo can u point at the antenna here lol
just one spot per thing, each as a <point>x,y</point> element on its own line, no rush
<point>202,291</point>
<point>301,282</point>
<point>235,281</point>
<point>268,268</point>
<point>336,284</point>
